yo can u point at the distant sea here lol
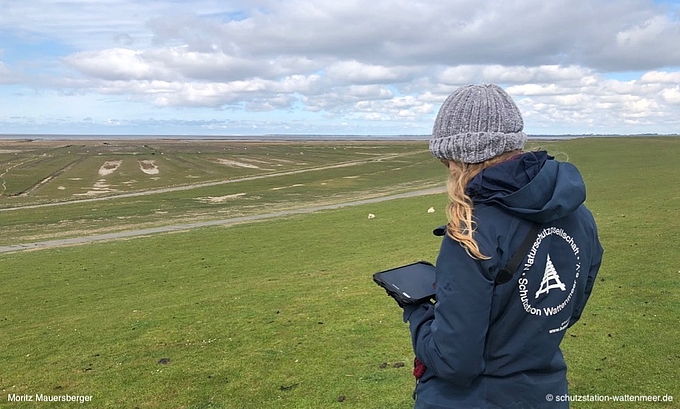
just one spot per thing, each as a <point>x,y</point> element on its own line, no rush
<point>271,137</point>
<point>64,137</point>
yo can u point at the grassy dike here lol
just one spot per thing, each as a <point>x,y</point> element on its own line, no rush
<point>283,313</point>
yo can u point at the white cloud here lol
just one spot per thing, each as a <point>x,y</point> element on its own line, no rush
<point>5,75</point>
<point>116,64</point>
<point>354,72</point>
<point>518,74</point>
<point>211,94</point>
<point>343,99</point>
<point>671,95</point>
<point>271,103</point>
<point>383,60</point>
<point>407,107</point>
<point>645,34</point>
<point>662,77</point>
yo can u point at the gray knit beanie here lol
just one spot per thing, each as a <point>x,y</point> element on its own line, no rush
<point>477,123</point>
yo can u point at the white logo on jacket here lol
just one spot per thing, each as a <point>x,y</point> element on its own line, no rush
<point>545,283</point>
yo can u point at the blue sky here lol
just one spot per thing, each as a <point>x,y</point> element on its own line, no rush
<point>317,67</point>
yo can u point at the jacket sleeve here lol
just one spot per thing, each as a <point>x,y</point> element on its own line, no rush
<point>449,338</point>
<point>592,274</point>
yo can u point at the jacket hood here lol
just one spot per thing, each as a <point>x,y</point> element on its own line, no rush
<point>532,186</point>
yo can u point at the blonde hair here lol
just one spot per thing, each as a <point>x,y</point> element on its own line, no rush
<point>460,207</point>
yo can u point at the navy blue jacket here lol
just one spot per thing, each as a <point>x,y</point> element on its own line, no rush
<point>497,346</point>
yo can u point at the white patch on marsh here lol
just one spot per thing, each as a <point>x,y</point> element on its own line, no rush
<point>98,188</point>
<point>219,199</point>
<point>109,167</point>
<point>149,167</point>
<point>230,162</point>
<point>286,187</point>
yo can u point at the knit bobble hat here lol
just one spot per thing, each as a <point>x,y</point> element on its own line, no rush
<point>477,123</point>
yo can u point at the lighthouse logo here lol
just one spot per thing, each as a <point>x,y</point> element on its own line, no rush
<point>550,280</point>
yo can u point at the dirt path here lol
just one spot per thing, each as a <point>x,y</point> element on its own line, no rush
<point>189,226</point>
<point>216,183</point>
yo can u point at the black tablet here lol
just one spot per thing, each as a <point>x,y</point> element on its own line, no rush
<point>409,284</point>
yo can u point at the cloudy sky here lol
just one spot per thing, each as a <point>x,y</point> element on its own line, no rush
<point>376,67</point>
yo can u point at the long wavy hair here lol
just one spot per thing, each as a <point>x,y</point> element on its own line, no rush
<point>459,211</point>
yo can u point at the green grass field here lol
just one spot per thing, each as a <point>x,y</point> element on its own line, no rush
<point>278,176</point>
<point>283,313</point>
